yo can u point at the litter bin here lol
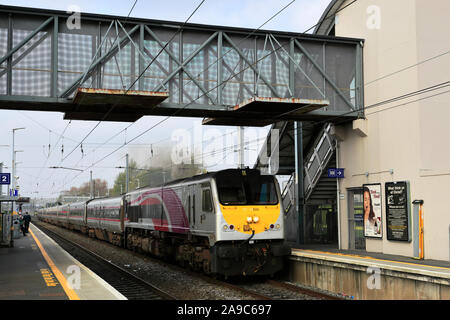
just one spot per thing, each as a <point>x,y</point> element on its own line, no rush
<point>16,225</point>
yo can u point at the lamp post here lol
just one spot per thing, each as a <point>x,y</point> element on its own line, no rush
<point>15,170</point>
<point>13,165</point>
<point>91,187</point>
<point>1,170</point>
<point>13,181</point>
<point>127,175</point>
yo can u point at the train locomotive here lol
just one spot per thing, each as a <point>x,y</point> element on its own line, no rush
<point>228,223</point>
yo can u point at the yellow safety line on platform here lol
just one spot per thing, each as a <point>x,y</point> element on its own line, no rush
<point>372,258</point>
<point>62,280</point>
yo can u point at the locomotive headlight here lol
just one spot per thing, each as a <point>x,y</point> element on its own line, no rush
<point>255,219</point>
<point>278,227</point>
<point>225,227</point>
<point>249,219</point>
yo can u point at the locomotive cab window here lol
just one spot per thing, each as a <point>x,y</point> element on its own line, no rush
<point>263,191</point>
<point>251,188</point>
<point>231,190</point>
<point>206,200</point>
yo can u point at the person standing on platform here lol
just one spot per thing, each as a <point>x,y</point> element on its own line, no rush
<point>22,224</point>
<point>27,220</point>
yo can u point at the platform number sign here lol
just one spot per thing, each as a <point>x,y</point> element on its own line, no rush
<point>5,178</point>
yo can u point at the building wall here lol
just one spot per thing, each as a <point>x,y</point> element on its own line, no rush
<point>432,34</point>
<point>410,139</point>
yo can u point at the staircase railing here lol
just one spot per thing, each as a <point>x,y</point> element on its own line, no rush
<point>288,194</point>
<point>316,162</point>
<point>318,159</point>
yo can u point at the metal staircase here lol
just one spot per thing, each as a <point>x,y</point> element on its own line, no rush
<point>288,195</point>
<point>316,182</point>
<point>317,160</point>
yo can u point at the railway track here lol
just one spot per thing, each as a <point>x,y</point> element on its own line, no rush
<point>307,291</point>
<point>129,285</point>
<point>280,290</point>
<point>267,289</point>
<point>251,288</point>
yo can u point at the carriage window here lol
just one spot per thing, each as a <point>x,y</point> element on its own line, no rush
<point>206,201</point>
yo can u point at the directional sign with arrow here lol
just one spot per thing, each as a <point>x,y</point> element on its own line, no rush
<point>336,173</point>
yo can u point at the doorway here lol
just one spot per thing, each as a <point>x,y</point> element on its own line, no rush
<point>321,224</point>
<point>357,241</point>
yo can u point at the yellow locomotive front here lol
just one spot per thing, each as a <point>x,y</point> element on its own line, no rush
<point>250,224</point>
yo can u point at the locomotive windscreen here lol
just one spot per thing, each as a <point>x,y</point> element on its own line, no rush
<point>246,187</point>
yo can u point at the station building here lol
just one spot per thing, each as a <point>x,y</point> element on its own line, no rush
<point>386,65</point>
<point>402,140</point>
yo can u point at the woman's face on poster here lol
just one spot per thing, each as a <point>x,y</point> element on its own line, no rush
<point>366,202</point>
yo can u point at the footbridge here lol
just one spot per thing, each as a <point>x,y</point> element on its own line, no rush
<point>119,69</point>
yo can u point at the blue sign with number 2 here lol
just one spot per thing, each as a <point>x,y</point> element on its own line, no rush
<point>5,178</point>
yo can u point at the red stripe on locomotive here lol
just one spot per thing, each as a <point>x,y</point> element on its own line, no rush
<point>175,210</point>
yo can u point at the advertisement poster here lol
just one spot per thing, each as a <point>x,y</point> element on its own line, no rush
<point>373,226</point>
<point>397,211</point>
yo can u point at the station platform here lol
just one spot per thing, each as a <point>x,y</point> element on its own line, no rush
<point>37,268</point>
<point>365,275</point>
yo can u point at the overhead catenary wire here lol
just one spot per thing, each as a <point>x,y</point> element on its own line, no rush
<point>185,106</point>
<point>231,76</point>
<point>162,121</point>
<point>204,155</point>
<point>215,62</point>
<point>134,82</point>
<point>432,88</point>
<point>408,67</point>
<point>106,115</point>
<point>79,143</point>
<point>366,84</point>
<point>52,131</point>
<point>398,98</point>
<point>45,127</point>
<point>131,86</point>
<point>412,94</point>
<point>162,50</point>
<point>165,119</point>
<point>54,147</point>
<point>435,87</point>
<point>61,136</point>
